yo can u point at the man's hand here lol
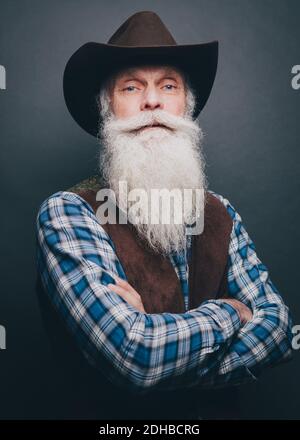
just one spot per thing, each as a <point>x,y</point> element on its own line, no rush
<point>127,292</point>
<point>244,311</point>
<point>124,289</point>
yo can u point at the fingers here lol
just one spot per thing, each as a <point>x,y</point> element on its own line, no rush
<point>121,291</point>
<point>244,312</point>
<point>248,315</point>
<point>126,286</point>
<point>132,298</point>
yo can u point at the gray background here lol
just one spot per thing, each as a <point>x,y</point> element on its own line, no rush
<point>252,149</point>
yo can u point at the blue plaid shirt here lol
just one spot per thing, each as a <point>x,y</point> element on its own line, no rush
<point>203,347</point>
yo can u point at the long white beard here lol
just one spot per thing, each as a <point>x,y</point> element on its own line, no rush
<point>154,158</point>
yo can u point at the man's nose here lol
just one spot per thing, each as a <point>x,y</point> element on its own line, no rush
<point>151,100</point>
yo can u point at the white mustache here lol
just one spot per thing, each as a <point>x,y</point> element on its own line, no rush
<point>149,118</point>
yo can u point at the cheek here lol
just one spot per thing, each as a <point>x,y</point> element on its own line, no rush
<point>124,108</point>
<point>176,107</point>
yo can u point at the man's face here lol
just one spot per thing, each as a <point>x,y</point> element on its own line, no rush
<point>140,89</point>
<point>165,157</point>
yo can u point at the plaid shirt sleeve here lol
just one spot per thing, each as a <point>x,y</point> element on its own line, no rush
<point>76,260</point>
<point>266,340</point>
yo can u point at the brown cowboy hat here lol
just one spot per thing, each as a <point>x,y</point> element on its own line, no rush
<point>142,38</point>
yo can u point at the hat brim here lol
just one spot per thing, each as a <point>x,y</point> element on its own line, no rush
<point>92,63</point>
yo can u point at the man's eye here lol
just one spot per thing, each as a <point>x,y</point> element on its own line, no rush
<point>129,87</point>
<point>170,85</point>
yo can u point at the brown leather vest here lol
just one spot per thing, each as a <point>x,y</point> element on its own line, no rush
<point>84,392</point>
<point>153,276</point>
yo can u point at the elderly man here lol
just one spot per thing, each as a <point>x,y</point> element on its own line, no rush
<point>154,310</point>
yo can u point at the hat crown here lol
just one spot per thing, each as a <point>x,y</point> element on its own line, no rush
<point>144,28</point>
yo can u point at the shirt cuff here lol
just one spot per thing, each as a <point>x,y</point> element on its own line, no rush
<point>226,315</point>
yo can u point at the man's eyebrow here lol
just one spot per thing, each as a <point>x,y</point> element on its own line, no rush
<point>130,78</point>
<point>134,78</point>
<point>174,78</point>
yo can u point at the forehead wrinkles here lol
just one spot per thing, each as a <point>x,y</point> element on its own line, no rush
<point>140,71</point>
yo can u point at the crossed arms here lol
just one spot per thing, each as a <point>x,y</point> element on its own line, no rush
<point>206,347</point>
